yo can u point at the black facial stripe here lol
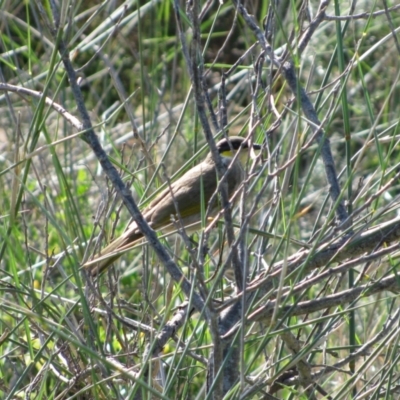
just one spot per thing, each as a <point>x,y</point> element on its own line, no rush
<point>235,143</point>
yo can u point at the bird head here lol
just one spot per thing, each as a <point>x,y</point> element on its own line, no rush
<point>228,148</point>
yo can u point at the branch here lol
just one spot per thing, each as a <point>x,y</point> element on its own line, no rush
<point>298,91</point>
<point>309,260</point>
<point>265,312</point>
<point>90,137</point>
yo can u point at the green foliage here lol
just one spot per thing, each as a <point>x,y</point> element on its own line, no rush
<point>64,336</point>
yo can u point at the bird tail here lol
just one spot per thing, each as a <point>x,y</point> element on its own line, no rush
<point>112,252</point>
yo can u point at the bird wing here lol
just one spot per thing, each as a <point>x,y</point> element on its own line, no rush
<point>187,195</point>
<point>188,191</point>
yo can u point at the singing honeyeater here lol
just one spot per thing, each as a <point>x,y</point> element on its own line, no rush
<point>190,191</point>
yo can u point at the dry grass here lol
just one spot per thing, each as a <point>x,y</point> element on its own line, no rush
<point>311,329</point>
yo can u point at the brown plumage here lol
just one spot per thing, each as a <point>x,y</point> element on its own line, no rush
<point>187,192</point>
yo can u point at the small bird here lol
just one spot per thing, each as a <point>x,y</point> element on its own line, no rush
<point>190,191</point>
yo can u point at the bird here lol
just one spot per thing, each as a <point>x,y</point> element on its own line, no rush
<point>192,190</point>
